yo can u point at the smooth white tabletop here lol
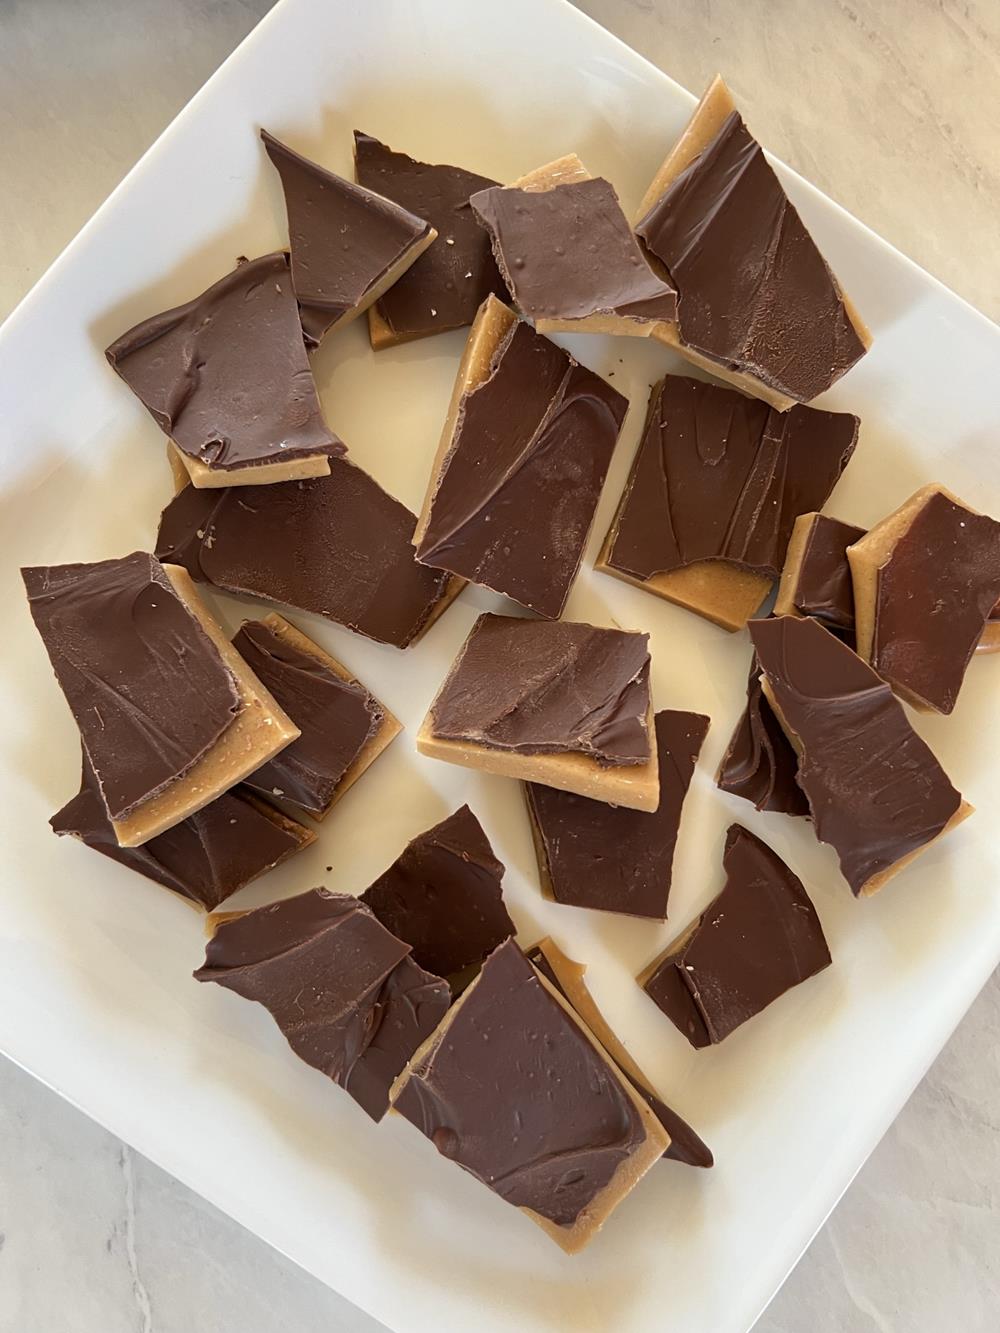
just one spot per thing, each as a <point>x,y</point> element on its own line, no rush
<point>888,105</point>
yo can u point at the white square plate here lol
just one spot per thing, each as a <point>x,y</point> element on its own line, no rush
<point>95,991</point>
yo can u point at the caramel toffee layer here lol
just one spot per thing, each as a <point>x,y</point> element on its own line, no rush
<point>823,585</point>
<point>760,763</point>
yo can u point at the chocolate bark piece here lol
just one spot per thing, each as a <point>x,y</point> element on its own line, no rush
<point>591,854</point>
<point>343,727</point>
<point>760,937</point>
<point>345,993</point>
<point>227,377</point>
<point>348,245</point>
<point>757,304</point>
<point>447,285</point>
<point>876,793</point>
<point>443,897</point>
<point>206,857</point>
<point>338,546</point>
<point>926,580</point>
<point>169,715</point>
<point>567,976</point>
<point>715,488</point>
<point>555,702</point>
<point>523,457</point>
<point>760,763</point>
<point>568,255</point>
<point>514,1088</point>
<point>816,579</point>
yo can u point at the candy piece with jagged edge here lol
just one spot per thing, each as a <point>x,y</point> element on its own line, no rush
<point>760,763</point>
<point>816,579</point>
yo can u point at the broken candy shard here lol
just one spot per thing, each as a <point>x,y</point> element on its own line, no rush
<point>759,938</point>
<point>876,793</point>
<point>344,992</point>
<point>816,579</point>
<point>760,763</point>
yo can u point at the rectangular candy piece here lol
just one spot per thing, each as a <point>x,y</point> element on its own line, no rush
<point>348,245</point>
<point>760,763</point>
<point>757,304</point>
<point>550,701</point>
<point>876,793</point>
<point>345,993</point>
<point>567,977</point>
<point>343,728</point>
<point>514,1088</point>
<point>816,579</point>
<point>759,938</point>
<point>206,857</point>
<point>591,854</point>
<point>338,546</point>
<point>169,715</point>
<point>926,581</point>
<point>523,457</point>
<point>715,488</point>
<point>443,897</point>
<point>227,377</point>
<point>568,255</point>
<point>447,285</point>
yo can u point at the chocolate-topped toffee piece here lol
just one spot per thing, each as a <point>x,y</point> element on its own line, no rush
<point>567,977</point>
<point>715,488</point>
<point>550,701</point>
<point>926,581</point>
<point>348,245</point>
<point>169,715</point>
<point>338,546</point>
<point>876,793</point>
<point>343,727</point>
<point>523,457</point>
<point>568,255</point>
<point>442,896</point>
<point>760,763</point>
<point>345,993</point>
<point>227,377</point>
<point>591,854</point>
<point>759,938</point>
<point>816,579</point>
<point>447,285</point>
<point>206,857</point>
<point>757,304</point>
<point>514,1088</point>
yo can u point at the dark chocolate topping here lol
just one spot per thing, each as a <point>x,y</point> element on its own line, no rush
<point>343,238</point>
<point>934,596</point>
<point>516,1094</point>
<point>760,763</point>
<point>442,896</point>
<point>518,489</point>
<point>345,993</point>
<point>719,476</point>
<point>338,546</point>
<point>226,376</point>
<point>145,684</point>
<point>824,588</point>
<point>875,790</point>
<point>568,253</point>
<point>754,292</point>
<point>604,856</point>
<point>451,279</point>
<point>759,938</point>
<point>549,687</point>
<point>335,716</point>
<point>206,857</point>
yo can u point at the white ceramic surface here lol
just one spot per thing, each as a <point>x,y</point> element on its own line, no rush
<point>94,996</point>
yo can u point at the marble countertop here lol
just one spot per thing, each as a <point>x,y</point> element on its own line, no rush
<point>890,106</point>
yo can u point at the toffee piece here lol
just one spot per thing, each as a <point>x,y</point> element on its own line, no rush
<point>760,763</point>
<point>715,488</point>
<point>338,546</point>
<point>345,993</point>
<point>227,377</point>
<point>757,304</point>
<point>876,793</point>
<point>563,704</point>
<point>926,581</point>
<point>759,938</point>
<point>591,854</point>
<point>348,245</point>
<point>523,457</point>
<point>447,285</point>
<point>816,579</point>
<point>514,1088</point>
